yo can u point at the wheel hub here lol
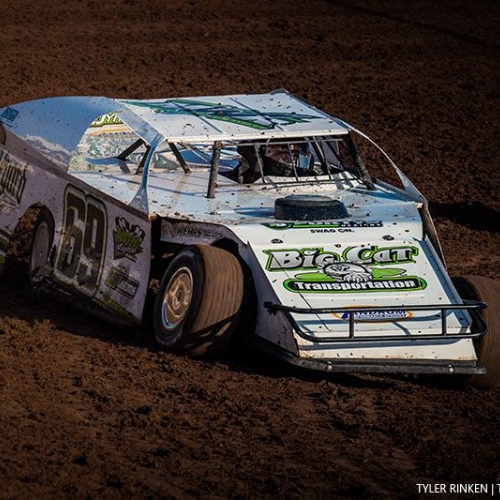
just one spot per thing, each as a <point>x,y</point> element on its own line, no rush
<point>177,298</point>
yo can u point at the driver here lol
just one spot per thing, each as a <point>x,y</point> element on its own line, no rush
<point>276,158</point>
<point>286,160</point>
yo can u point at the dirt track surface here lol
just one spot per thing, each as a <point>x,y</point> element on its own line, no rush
<point>91,411</point>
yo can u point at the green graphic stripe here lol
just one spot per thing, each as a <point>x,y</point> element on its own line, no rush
<point>232,114</point>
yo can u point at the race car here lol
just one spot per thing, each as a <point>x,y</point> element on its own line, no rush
<point>205,218</point>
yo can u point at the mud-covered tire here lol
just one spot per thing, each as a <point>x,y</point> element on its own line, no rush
<point>199,301</point>
<point>41,245</point>
<point>487,346</point>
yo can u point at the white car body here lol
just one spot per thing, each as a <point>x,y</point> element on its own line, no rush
<point>367,291</point>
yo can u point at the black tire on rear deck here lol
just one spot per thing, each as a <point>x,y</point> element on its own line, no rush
<point>487,346</point>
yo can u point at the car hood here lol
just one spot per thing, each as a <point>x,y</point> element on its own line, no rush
<point>343,265</point>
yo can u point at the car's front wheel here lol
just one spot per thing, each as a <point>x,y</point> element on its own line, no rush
<point>198,302</point>
<point>488,346</point>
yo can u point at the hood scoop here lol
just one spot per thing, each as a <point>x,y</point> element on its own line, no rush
<point>309,207</point>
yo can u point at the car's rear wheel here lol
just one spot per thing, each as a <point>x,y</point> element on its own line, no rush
<point>198,302</point>
<point>487,346</point>
<point>41,244</point>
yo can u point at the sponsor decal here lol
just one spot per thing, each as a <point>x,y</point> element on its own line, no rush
<point>127,239</point>
<point>12,179</point>
<point>324,227</point>
<point>375,316</point>
<point>192,231</point>
<point>9,114</point>
<point>122,283</point>
<point>356,269</point>
<point>107,119</point>
<point>226,113</point>
<point>118,308</point>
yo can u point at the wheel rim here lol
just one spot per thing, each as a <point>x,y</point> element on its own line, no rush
<point>41,248</point>
<point>177,298</point>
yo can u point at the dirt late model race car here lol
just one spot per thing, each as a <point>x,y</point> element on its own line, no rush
<point>208,216</point>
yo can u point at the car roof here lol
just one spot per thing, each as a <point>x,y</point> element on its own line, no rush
<point>245,116</point>
<point>55,126</point>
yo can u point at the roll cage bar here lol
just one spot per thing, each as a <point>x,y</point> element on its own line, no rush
<point>316,143</point>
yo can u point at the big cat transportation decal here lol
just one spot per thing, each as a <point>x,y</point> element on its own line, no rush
<point>356,269</point>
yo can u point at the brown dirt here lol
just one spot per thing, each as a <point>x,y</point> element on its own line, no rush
<point>91,411</point>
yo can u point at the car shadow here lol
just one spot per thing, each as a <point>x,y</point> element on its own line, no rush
<point>22,304</point>
<point>33,306</point>
<point>475,215</point>
<point>241,357</point>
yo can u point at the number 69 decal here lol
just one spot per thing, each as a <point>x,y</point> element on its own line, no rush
<point>81,252</point>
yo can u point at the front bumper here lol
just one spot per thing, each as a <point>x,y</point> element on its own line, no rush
<point>380,366</point>
<point>384,364</point>
<point>472,306</point>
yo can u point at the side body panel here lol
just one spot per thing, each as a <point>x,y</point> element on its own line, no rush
<point>101,248</point>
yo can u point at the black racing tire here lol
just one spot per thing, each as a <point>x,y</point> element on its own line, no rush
<point>487,346</point>
<point>41,246</point>
<point>199,301</point>
<point>309,208</point>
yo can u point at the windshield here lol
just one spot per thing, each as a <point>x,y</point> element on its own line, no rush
<point>110,148</point>
<point>249,161</point>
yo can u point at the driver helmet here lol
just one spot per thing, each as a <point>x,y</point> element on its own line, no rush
<point>281,158</point>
